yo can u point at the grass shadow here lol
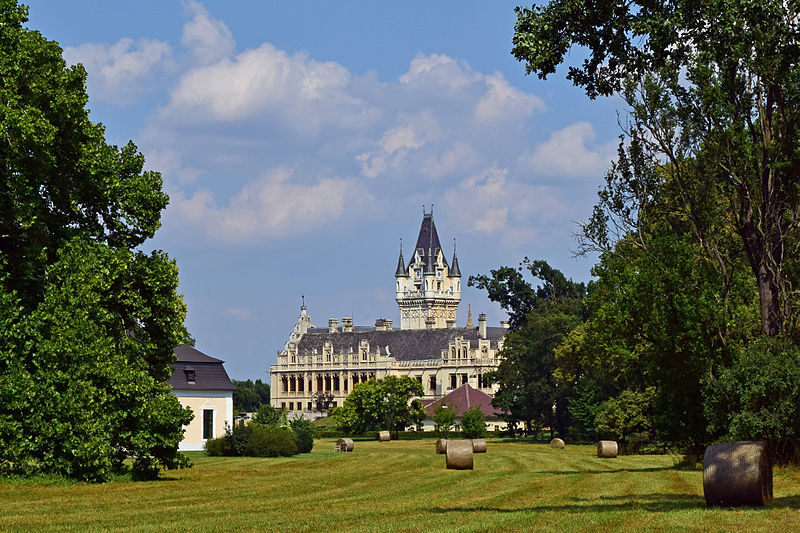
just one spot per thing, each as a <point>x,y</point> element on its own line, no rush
<point>609,471</point>
<point>653,502</point>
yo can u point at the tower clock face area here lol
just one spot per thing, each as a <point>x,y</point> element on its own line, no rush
<point>428,288</point>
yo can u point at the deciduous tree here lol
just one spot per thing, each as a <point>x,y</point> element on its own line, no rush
<point>90,320</point>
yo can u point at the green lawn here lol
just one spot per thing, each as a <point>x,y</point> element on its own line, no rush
<point>401,486</point>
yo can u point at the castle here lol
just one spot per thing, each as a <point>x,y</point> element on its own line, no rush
<point>318,367</point>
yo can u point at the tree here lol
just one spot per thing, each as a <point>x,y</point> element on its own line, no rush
<point>322,401</point>
<point>473,423</point>
<point>266,415</point>
<point>527,389</point>
<point>713,90</point>
<point>443,419</point>
<point>90,320</point>
<point>508,287</point>
<point>248,396</point>
<point>379,404</point>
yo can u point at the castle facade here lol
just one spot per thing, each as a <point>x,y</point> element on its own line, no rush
<point>318,366</point>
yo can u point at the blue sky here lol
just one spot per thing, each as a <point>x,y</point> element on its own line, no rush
<point>298,142</point>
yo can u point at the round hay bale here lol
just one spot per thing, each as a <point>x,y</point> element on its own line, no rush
<point>479,445</point>
<point>345,445</point>
<point>459,455</point>
<point>607,448</point>
<point>737,473</point>
<point>557,443</point>
<point>441,446</point>
<point>384,436</point>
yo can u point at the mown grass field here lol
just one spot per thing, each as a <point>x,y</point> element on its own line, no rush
<point>402,486</point>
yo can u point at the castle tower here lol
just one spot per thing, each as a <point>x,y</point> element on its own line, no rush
<point>428,290</point>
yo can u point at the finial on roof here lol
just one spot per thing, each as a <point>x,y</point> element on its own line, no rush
<point>454,270</point>
<point>303,307</point>
<point>469,325</point>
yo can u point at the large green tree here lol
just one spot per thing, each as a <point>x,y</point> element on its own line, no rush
<point>380,404</point>
<point>89,320</point>
<point>713,90</point>
<point>541,317</point>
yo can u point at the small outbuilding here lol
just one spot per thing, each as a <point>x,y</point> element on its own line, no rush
<point>201,383</point>
<point>460,400</point>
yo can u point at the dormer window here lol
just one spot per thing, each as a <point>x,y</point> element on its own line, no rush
<point>189,372</point>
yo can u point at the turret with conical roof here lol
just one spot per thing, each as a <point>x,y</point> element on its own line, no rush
<point>455,272</point>
<point>429,290</point>
<point>401,266</point>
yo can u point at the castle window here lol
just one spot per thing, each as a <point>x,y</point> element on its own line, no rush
<point>453,382</point>
<point>433,383</point>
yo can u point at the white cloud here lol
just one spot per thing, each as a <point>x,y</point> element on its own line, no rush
<point>273,206</point>
<point>121,72</point>
<point>493,203</point>
<point>503,101</point>
<point>570,152</point>
<point>397,143</point>
<point>263,81</point>
<point>207,38</point>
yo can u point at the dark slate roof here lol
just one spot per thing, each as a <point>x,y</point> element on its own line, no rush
<point>209,372</point>
<point>462,399</point>
<point>454,270</point>
<point>404,345</point>
<point>428,242</point>
<point>401,267</point>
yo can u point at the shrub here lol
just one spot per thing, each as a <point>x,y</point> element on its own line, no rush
<point>443,418</point>
<point>761,394</point>
<point>304,431</point>
<point>270,442</point>
<point>473,424</point>
<point>218,446</point>
<point>627,419</point>
<point>238,438</point>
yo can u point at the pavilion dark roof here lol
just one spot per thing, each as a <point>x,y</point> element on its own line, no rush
<point>404,345</point>
<point>461,399</point>
<point>209,372</point>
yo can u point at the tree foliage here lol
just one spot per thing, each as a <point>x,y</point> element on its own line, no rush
<point>473,423</point>
<point>713,89</point>
<point>528,390</point>
<point>379,404</point>
<point>248,396</point>
<point>89,320</point>
<point>443,419</point>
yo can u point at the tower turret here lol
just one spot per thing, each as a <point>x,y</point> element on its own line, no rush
<point>429,290</point>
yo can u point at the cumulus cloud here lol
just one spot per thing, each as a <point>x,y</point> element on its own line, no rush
<point>492,203</point>
<point>207,38</point>
<point>397,143</point>
<point>273,206</point>
<point>570,152</point>
<point>266,81</point>
<point>502,101</point>
<point>121,72</point>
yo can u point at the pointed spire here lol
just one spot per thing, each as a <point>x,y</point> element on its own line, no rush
<point>469,325</point>
<point>428,241</point>
<point>401,265</point>
<point>455,272</point>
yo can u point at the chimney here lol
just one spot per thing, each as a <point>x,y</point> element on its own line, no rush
<point>388,323</point>
<point>380,325</point>
<point>333,325</point>
<point>482,326</point>
<point>504,324</point>
<point>347,324</point>
<point>451,324</point>
<point>430,322</point>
